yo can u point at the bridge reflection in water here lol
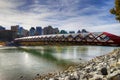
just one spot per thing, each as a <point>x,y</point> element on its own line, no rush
<point>47,55</point>
<point>95,38</point>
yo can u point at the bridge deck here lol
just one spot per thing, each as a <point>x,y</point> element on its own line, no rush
<point>101,38</point>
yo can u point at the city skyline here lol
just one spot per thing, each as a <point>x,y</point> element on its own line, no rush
<point>92,15</point>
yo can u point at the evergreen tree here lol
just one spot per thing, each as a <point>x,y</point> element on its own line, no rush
<point>79,31</point>
<point>116,10</point>
<point>63,32</point>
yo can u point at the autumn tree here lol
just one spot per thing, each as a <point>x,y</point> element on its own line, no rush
<point>116,10</point>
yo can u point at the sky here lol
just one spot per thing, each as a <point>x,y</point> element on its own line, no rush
<point>92,15</point>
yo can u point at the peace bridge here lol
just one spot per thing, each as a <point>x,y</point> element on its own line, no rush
<point>94,38</point>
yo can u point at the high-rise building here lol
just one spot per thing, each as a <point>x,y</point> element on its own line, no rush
<point>15,28</point>
<point>25,32</point>
<point>2,28</point>
<point>7,35</point>
<point>38,31</point>
<point>55,31</point>
<point>47,30</point>
<point>20,31</point>
<point>50,30</point>
<point>32,31</point>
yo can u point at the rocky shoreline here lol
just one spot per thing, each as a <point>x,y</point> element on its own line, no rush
<point>105,67</point>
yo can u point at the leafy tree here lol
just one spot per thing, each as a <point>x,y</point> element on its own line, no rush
<point>84,31</point>
<point>116,10</point>
<point>63,32</point>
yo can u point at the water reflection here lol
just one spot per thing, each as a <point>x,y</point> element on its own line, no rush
<point>77,52</point>
<point>69,53</point>
<point>46,54</point>
<point>15,63</point>
<point>29,61</point>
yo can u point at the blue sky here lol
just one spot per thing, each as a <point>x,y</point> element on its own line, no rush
<point>92,15</point>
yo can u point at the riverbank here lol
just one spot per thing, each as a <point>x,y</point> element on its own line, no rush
<point>105,67</point>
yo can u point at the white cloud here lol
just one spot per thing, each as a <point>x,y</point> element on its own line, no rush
<point>63,14</point>
<point>10,16</point>
<point>111,28</point>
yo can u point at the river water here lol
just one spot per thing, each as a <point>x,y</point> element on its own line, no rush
<point>25,62</point>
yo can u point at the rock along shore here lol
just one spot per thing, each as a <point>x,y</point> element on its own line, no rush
<point>105,67</point>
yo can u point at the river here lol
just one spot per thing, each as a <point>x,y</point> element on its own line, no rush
<point>26,62</point>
